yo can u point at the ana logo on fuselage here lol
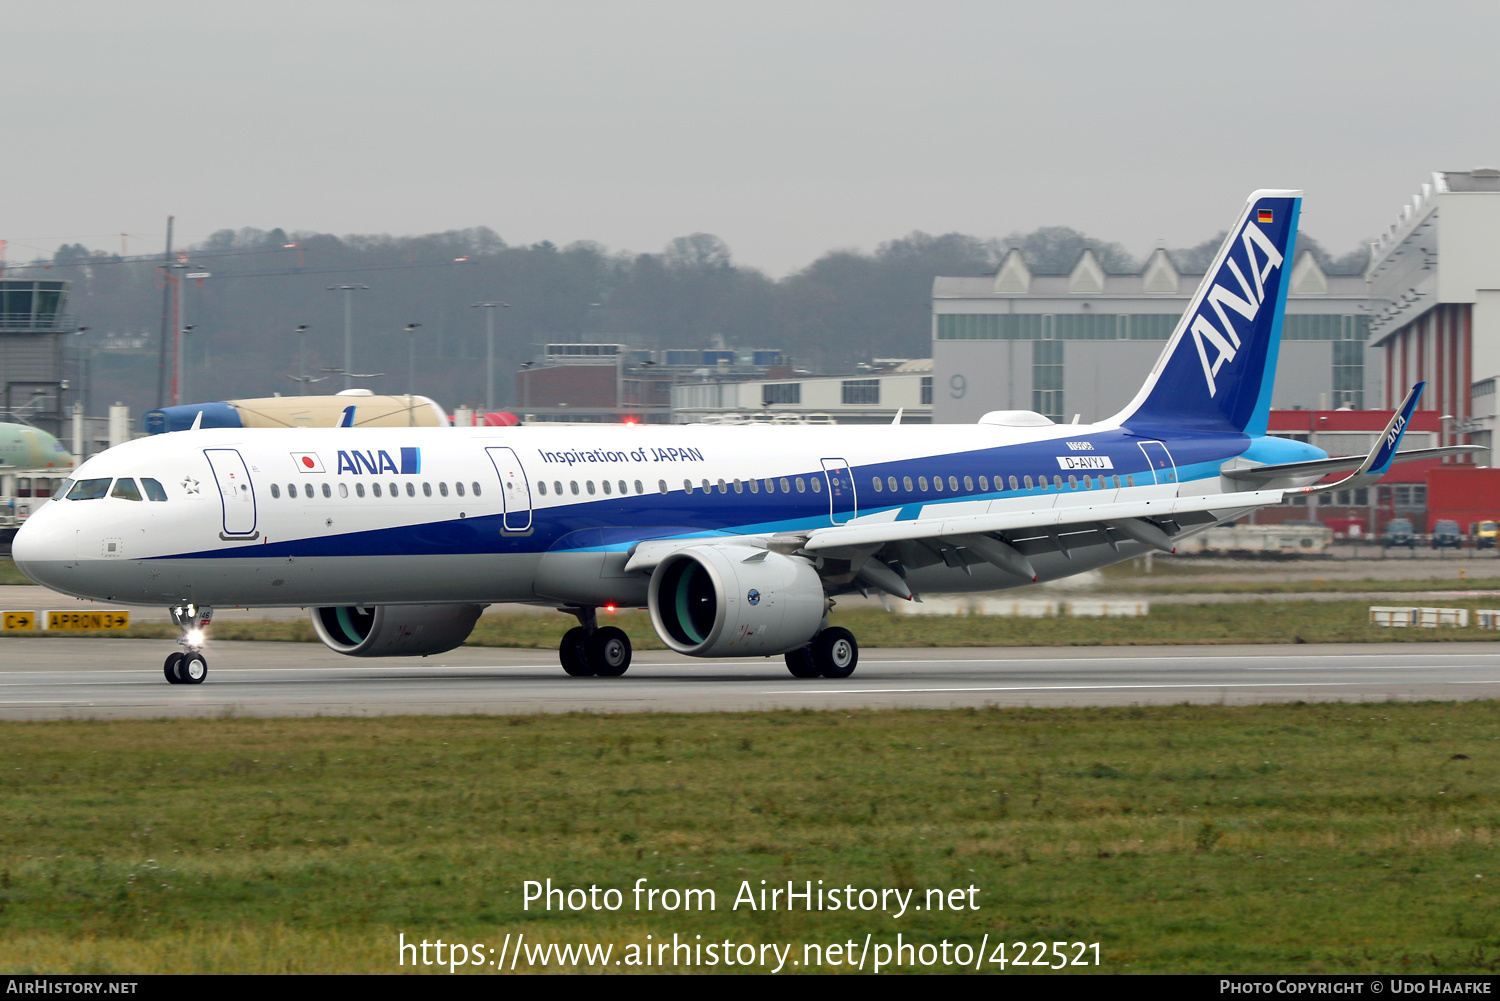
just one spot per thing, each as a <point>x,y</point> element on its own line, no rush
<point>377,462</point>
<point>1224,339</point>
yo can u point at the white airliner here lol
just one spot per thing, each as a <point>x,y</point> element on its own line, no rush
<point>736,538</point>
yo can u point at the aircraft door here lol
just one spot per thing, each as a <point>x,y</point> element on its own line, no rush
<point>235,491</point>
<point>515,492</point>
<point>842,503</point>
<point>1160,461</point>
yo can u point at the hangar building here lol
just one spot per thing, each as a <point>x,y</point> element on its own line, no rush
<point>1083,341</point>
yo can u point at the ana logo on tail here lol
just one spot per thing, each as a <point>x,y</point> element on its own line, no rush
<point>1223,339</point>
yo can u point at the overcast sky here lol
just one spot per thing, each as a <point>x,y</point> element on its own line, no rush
<point>784,128</point>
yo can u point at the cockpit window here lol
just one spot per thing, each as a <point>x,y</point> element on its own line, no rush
<point>62,491</point>
<point>153,489</point>
<point>89,489</point>
<point>125,489</point>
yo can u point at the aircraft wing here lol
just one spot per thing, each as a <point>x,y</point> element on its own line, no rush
<point>863,553</point>
<point>1252,475</point>
<point>1043,520</point>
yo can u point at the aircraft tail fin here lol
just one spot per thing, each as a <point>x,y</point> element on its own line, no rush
<point>1219,365</point>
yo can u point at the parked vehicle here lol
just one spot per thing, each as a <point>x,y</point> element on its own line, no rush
<point>1445,535</point>
<point>1485,533</point>
<point>1398,533</point>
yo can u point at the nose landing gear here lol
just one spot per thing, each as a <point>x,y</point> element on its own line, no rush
<point>587,650</point>
<point>189,667</point>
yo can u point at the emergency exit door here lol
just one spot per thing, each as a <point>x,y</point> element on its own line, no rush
<point>515,492</point>
<point>236,492</point>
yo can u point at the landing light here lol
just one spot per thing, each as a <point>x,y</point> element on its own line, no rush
<point>610,609</point>
<point>194,638</point>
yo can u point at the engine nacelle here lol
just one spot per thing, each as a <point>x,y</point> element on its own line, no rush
<point>735,601</point>
<point>394,630</point>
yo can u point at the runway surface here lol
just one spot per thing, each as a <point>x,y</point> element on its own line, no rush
<point>58,678</point>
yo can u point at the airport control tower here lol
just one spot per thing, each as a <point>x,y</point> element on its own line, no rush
<point>33,324</point>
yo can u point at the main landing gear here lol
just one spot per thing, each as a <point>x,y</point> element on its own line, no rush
<point>833,653</point>
<point>189,667</point>
<point>589,650</point>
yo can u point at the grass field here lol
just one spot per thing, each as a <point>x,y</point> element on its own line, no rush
<point>1290,838</point>
<point>1218,623</point>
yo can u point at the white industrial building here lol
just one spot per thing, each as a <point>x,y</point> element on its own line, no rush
<point>866,398</point>
<point>1435,297</point>
<point>1082,342</point>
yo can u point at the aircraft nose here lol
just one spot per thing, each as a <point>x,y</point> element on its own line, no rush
<point>41,547</point>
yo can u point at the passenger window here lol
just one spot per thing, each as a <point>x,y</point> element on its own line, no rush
<point>786,485</point>
<point>411,489</point>
<point>591,487</point>
<point>1057,480</point>
<point>1117,482</point>
<point>291,490</point>
<point>153,488</point>
<point>890,482</point>
<point>541,487</point>
<point>754,486</point>
<point>375,489</point>
<point>1129,480</point>
<point>801,486</point>
<point>1072,482</point>
<point>426,489</point>
<point>817,484</point>
<point>875,482</point>
<point>707,487</point>
<point>606,486</point>
<point>275,491</point>
<point>89,489</point>
<point>443,489</point>
<point>125,489</point>
<point>661,486</point>
<point>953,483</point>
<point>906,482</point>
<point>937,484</point>
<point>1028,483</point>
<point>327,490</point>
<point>687,486</point>
<point>922,483</point>
<point>739,487</point>
<point>395,489</point>
<point>359,489</point>
<point>343,490</point>
<point>458,488</point>
<point>574,485</point>
<point>625,487</point>
<point>1014,485</point>
<point>640,488</point>
<point>475,485</point>
<point>770,485</point>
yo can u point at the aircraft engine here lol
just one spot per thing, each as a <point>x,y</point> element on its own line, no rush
<point>394,630</point>
<point>735,601</point>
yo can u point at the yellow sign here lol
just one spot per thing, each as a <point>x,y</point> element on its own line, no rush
<point>15,622</point>
<point>77,621</point>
